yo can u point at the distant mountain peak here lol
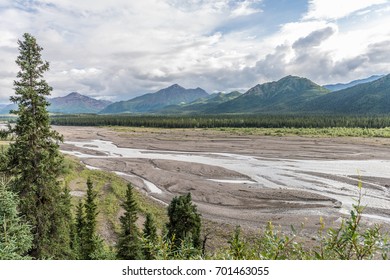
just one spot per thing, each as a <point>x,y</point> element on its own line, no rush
<point>174,86</point>
<point>284,95</point>
<point>290,77</point>
<point>292,84</point>
<point>74,94</point>
<point>152,102</point>
<point>75,102</point>
<point>294,79</point>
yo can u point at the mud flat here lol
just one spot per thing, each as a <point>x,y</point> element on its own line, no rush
<point>241,179</point>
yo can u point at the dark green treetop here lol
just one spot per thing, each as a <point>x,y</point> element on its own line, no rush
<point>184,221</point>
<point>150,236</point>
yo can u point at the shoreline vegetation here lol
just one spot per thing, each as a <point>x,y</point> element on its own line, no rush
<point>279,132</point>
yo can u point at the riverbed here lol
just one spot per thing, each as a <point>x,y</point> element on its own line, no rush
<point>239,186</point>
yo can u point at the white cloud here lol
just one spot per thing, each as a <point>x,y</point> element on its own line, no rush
<point>335,9</point>
<point>245,8</point>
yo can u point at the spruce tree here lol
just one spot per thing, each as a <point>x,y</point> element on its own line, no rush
<point>150,229</point>
<point>15,235</point>
<point>150,236</point>
<point>80,219</point>
<point>78,231</point>
<point>34,160</point>
<point>89,235</point>
<point>129,245</point>
<point>184,221</point>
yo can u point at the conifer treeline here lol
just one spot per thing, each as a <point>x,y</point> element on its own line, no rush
<point>217,121</point>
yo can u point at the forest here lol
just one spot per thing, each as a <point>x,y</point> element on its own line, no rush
<point>219,121</point>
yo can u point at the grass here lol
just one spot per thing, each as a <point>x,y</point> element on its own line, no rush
<point>312,132</point>
<point>278,132</point>
<point>111,192</point>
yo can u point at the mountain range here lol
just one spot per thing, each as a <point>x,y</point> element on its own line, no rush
<point>366,98</point>
<point>289,95</point>
<point>72,103</point>
<point>335,87</point>
<point>285,95</point>
<point>152,102</point>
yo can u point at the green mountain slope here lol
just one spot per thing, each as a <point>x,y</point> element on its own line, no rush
<point>201,105</point>
<point>367,98</point>
<point>335,87</point>
<point>285,95</point>
<point>153,102</point>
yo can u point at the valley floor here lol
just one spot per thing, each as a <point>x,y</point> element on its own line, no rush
<point>244,179</point>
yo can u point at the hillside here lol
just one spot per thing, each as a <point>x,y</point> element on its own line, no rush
<point>340,86</point>
<point>285,95</point>
<point>72,103</point>
<point>152,102</point>
<point>201,105</point>
<point>367,98</point>
<point>76,103</point>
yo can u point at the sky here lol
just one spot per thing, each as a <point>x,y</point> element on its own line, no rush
<point>119,49</point>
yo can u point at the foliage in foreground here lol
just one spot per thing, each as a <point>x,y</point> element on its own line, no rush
<point>87,244</point>
<point>15,235</point>
<point>351,240</point>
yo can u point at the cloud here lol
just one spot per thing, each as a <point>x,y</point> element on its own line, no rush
<point>245,8</point>
<point>119,49</point>
<point>314,39</point>
<point>336,9</point>
<point>379,52</point>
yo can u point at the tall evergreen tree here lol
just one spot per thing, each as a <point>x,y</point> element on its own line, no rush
<point>15,235</point>
<point>150,229</point>
<point>78,231</point>
<point>80,219</point>
<point>129,245</point>
<point>34,160</point>
<point>150,236</point>
<point>184,221</point>
<point>89,235</point>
